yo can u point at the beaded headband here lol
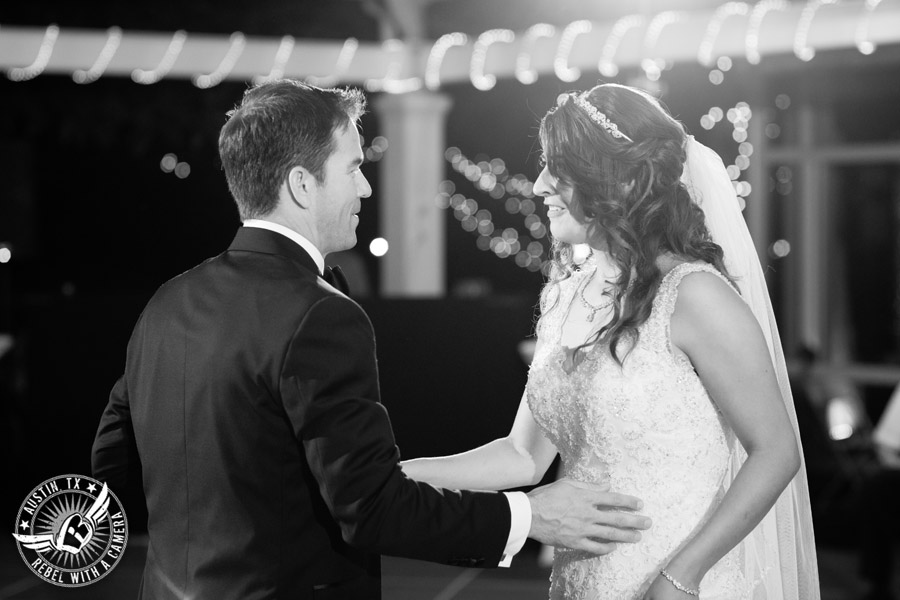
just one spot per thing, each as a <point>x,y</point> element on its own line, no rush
<point>599,118</point>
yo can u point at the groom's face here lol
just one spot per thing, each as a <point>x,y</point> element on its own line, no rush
<point>339,193</point>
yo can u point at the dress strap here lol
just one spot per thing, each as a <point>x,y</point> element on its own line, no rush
<point>664,303</point>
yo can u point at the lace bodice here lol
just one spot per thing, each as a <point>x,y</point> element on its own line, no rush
<point>648,426</point>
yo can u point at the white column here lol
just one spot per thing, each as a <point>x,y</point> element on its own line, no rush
<point>409,175</point>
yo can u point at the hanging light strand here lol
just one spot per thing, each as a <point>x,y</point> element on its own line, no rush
<point>862,28</point>
<point>480,80</point>
<point>524,72</point>
<point>566,43</point>
<point>40,61</point>
<point>282,56</point>
<point>113,39</point>
<point>607,65</point>
<point>517,196</point>
<point>236,47</point>
<point>714,27</point>
<point>802,49</point>
<point>176,45</point>
<point>751,41</point>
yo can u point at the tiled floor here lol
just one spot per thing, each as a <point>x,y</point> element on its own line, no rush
<point>403,579</point>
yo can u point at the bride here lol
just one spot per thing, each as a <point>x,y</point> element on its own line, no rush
<point>658,368</point>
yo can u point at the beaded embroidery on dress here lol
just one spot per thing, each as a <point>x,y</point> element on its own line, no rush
<point>650,429</point>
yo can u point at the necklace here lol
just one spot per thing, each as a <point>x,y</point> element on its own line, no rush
<point>592,309</point>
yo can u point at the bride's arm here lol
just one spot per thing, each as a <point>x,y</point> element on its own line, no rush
<point>517,460</point>
<point>724,342</point>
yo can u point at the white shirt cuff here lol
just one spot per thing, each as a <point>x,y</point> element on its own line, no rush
<point>520,525</point>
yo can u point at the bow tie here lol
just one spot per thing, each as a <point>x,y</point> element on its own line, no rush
<point>335,277</point>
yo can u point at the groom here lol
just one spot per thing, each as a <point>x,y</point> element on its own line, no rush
<point>251,394</point>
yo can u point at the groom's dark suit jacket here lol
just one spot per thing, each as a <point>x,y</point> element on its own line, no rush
<point>269,464</point>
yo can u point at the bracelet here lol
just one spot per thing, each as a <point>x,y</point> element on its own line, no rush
<point>678,586</point>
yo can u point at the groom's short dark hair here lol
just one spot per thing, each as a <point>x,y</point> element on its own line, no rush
<point>277,126</point>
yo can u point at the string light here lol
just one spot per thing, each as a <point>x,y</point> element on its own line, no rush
<point>516,193</point>
<point>168,162</point>
<point>713,116</point>
<point>391,83</point>
<point>653,67</point>
<point>235,49</point>
<point>395,81</point>
<point>282,55</point>
<point>801,49</point>
<point>479,79</point>
<point>345,57</point>
<point>176,45</point>
<point>714,27</point>
<point>40,61</point>
<point>780,248</point>
<point>376,150</point>
<point>113,39</point>
<point>561,63</point>
<point>783,183</point>
<point>739,116</point>
<point>524,73</point>
<point>436,57</point>
<point>378,247</point>
<point>606,65</point>
<point>760,9</point>
<point>862,28</point>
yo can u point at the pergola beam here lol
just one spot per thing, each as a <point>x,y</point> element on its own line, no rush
<point>666,38</point>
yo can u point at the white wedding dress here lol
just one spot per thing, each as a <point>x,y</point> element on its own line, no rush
<point>650,428</point>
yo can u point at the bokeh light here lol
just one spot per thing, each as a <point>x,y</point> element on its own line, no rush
<point>168,162</point>
<point>378,246</point>
<point>514,193</point>
<point>780,248</point>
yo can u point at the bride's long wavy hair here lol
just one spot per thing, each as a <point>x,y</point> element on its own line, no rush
<point>630,195</point>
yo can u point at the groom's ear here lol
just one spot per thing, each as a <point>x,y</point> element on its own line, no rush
<point>301,185</point>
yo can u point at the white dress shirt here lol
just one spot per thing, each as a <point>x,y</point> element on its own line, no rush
<point>519,505</point>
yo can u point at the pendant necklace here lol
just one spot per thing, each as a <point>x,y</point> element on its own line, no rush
<point>592,309</point>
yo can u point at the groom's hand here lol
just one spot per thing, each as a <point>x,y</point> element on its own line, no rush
<point>584,516</point>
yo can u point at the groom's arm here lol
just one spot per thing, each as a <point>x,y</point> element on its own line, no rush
<point>329,387</point>
<point>114,455</point>
<point>113,452</point>
<point>330,391</point>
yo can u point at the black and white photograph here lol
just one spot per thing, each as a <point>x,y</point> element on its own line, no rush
<point>450,299</point>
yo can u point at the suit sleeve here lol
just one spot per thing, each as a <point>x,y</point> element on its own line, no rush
<point>114,457</point>
<point>330,391</point>
<point>113,452</point>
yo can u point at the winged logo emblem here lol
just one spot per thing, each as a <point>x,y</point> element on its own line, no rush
<point>76,530</point>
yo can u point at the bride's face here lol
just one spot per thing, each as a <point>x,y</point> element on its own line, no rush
<point>557,198</point>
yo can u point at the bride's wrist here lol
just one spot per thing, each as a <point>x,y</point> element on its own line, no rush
<point>684,573</point>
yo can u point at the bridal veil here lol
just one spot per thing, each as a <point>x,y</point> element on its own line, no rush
<point>779,555</point>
